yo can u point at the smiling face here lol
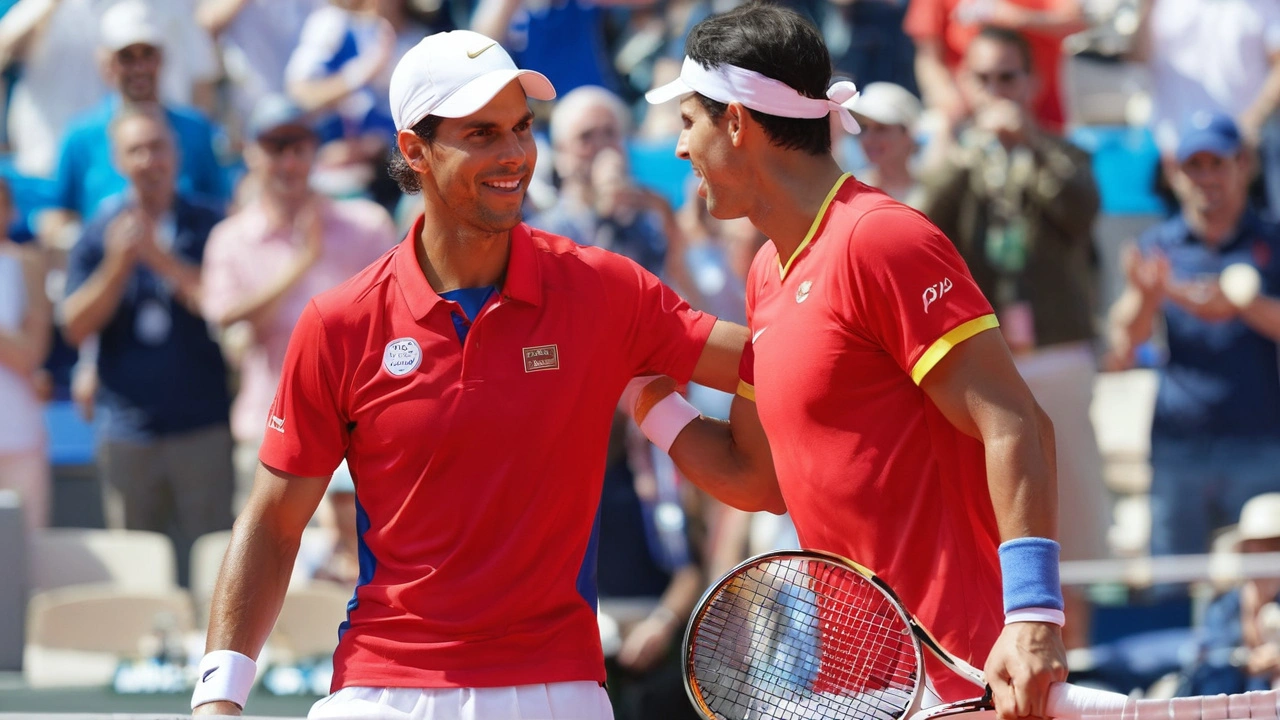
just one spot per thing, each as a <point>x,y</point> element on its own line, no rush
<point>705,143</point>
<point>135,70</point>
<point>476,170</point>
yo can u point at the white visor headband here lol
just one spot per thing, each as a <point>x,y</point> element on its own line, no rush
<point>730,83</point>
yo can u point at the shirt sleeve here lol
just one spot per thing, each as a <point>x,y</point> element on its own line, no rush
<point>206,174</point>
<point>664,335</point>
<point>66,191</point>
<point>307,429</point>
<point>925,19</point>
<point>85,256</point>
<point>909,291</point>
<point>320,40</point>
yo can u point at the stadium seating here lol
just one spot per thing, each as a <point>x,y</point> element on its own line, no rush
<point>78,634</point>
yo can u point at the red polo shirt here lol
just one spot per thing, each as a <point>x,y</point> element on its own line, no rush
<point>477,465</point>
<point>869,467</point>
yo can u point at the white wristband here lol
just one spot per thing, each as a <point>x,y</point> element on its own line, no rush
<point>224,675</point>
<point>1042,615</point>
<point>666,419</point>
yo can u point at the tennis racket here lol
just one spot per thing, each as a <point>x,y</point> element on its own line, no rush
<point>810,635</point>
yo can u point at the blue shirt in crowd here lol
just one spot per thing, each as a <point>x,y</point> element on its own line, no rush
<point>86,173</point>
<point>1221,379</point>
<point>563,40</point>
<point>1216,667</point>
<point>160,371</point>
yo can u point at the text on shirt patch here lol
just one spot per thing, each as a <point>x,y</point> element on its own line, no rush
<point>275,423</point>
<point>934,292</point>
<point>802,293</point>
<point>402,356</point>
<point>542,357</point>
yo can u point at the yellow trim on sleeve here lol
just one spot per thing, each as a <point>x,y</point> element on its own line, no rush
<point>746,391</point>
<point>813,229</point>
<point>943,345</point>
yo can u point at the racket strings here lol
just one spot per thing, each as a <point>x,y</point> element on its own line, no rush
<point>799,637</point>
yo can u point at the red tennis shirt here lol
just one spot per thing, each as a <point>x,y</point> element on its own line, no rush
<point>477,464</point>
<point>869,467</point>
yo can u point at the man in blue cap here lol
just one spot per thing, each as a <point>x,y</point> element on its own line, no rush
<point>282,245</point>
<point>1215,439</point>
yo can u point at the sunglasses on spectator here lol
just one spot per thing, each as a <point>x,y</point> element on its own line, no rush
<point>274,145</point>
<point>998,78</point>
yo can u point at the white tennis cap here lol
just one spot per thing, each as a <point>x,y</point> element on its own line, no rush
<point>453,74</point>
<point>1260,518</point>
<point>887,104</point>
<point>129,22</point>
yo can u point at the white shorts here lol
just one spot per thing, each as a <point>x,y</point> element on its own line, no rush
<point>583,700</point>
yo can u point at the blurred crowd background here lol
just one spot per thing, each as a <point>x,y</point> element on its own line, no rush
<point>181,176</point>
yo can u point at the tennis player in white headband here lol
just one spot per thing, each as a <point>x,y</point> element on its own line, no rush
<point>902,435</point>
<point>728,83</point>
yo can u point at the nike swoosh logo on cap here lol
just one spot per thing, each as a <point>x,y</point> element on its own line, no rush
<point>476,54</point>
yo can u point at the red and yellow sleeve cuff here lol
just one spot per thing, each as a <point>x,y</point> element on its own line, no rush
<point>746,391</point>
<point>943,345</point>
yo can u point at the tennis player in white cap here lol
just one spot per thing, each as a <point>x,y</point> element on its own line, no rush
<point>469,378</point>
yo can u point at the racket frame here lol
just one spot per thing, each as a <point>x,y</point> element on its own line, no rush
<point>920,637</point>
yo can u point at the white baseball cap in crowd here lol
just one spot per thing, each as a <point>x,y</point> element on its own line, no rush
<point>129,22</point>
<point>453,74</point>
<point>888,104</point>
<point>1260,517</point>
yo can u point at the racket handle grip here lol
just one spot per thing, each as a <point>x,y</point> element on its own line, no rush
<point>1072,702</point>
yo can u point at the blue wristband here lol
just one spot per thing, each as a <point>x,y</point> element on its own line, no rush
<point>1029,568</point>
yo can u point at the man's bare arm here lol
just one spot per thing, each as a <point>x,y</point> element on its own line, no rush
<point>255,572</point>
<point>978,389</point>
<point>731,461</point>
<point>718,364</point>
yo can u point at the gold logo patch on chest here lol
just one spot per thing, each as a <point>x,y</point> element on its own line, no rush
<point>542,357</point>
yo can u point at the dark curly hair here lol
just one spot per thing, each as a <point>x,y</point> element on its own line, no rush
<point>398,168</point>
<point>776,42</point>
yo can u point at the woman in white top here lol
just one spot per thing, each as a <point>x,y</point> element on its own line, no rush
<point>25,330</point>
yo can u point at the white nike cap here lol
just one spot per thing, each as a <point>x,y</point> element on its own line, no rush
<point>454,74</point>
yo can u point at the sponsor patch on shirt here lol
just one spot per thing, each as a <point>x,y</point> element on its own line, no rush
<point>402,356</point>
<point>542,357</point>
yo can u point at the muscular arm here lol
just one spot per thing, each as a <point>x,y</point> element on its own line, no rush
<point>718,364</point>
<point>731,461</point>
<point>255,572</point>
<point>978,389</point>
